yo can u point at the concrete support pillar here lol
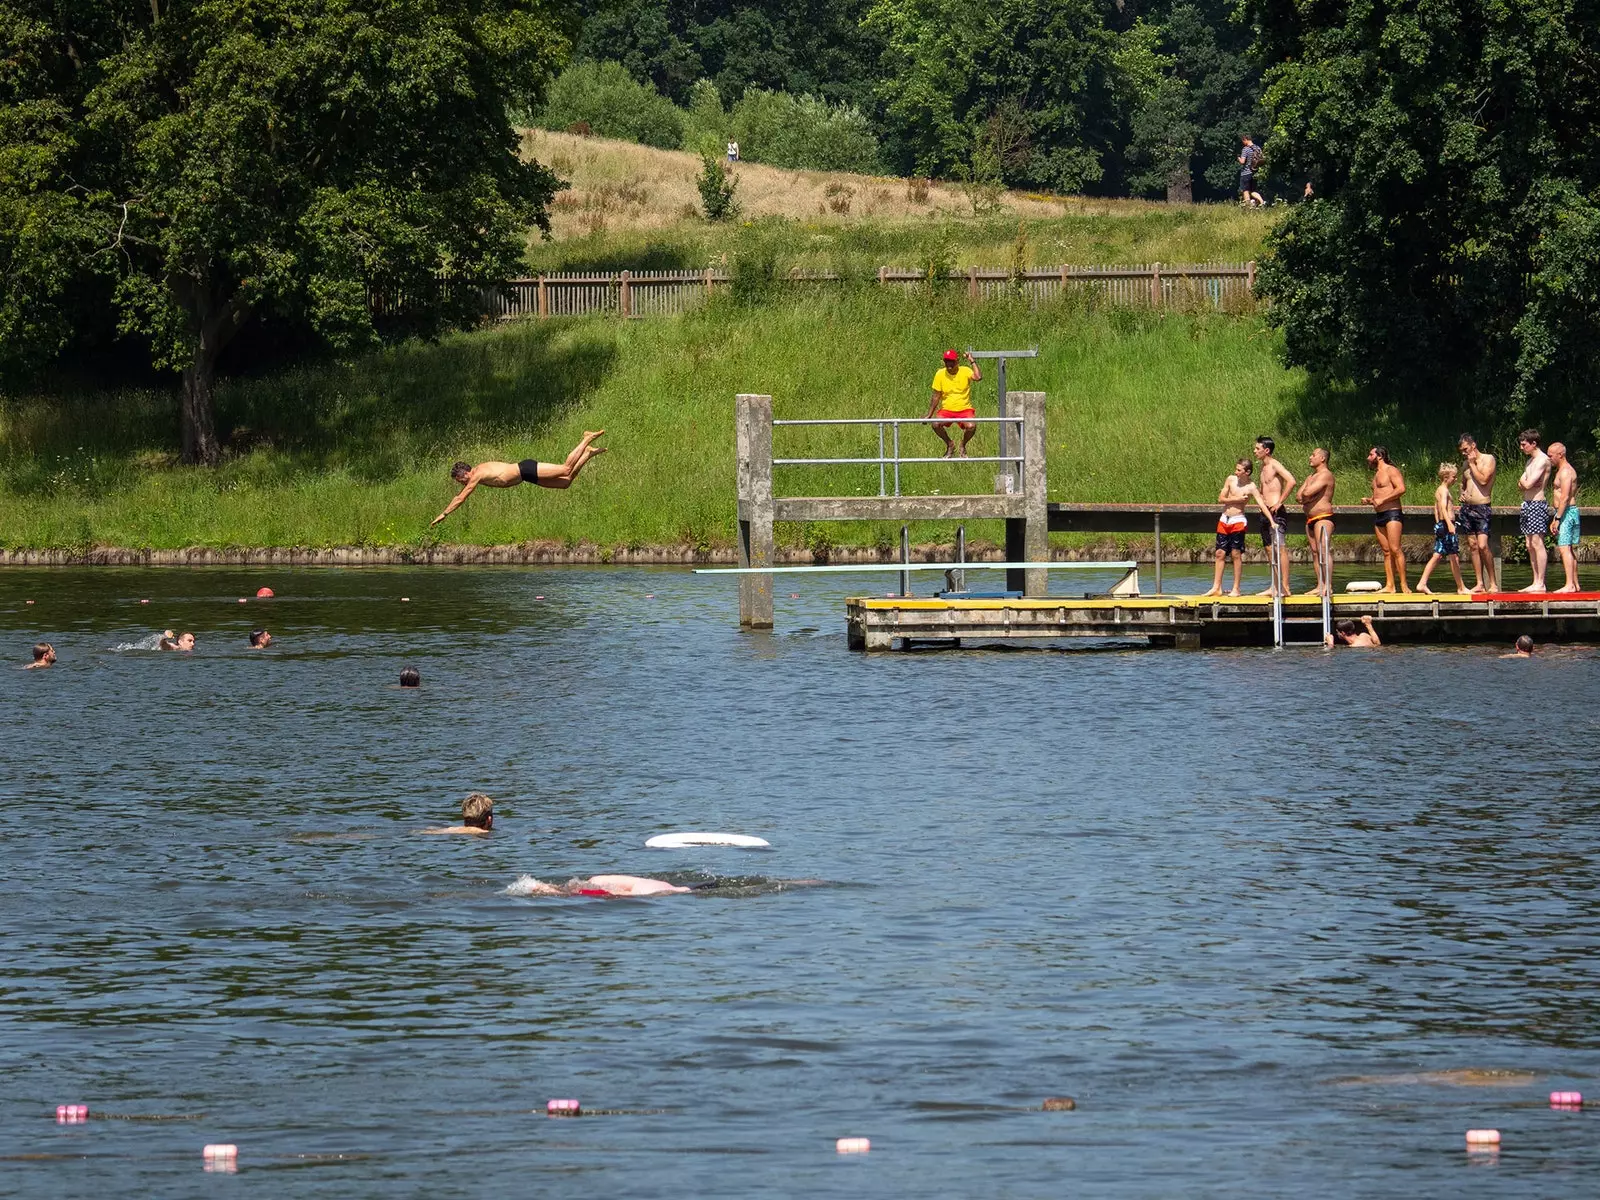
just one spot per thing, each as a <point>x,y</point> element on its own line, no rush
<point>1028,537</point>
<point>753,443</point>
<point>1497,555</point>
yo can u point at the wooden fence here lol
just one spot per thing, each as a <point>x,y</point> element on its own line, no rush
<point>664,293</point>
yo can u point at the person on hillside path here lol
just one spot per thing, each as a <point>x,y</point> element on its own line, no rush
<point>952,401</point>
<point>1316,495</point>
<point>504,474</point>
<point>1275,483</point>
<point>1249,162</point>
<point>1535,512</point>
<point>733,152</point>
<point>1564,518</point>
<point>1388,519</point>
<point>1476,515</point>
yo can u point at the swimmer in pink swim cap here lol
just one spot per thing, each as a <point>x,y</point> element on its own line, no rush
<point>598,885</point>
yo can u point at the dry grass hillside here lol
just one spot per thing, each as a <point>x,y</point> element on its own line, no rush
<point>632,205</point>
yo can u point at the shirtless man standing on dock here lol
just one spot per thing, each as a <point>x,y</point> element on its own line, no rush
<point>1388,519</point>
<point>1474,515</point>
<point>504,474</point>
<point>1564,517</point>
<point>1316,494</point>
<point>1276,484</point>
<point>1535,512</point>
<point>1231,525</point>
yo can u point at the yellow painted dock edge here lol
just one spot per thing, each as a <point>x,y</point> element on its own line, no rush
<point>1360,599</point>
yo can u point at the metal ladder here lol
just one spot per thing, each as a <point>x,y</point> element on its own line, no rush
<point>1324,550</point>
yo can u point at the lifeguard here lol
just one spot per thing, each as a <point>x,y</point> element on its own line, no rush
<point>952,401</point>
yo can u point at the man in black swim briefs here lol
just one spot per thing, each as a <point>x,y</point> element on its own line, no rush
<point>1275,483</point>
<point>1388,519</point>
<point>505,474</point>
<point>1474,515</point>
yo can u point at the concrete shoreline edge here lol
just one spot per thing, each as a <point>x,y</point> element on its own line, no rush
<point>551,553</point>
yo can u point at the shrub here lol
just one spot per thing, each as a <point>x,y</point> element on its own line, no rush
<point>604,97</point>
<point>705,123</point>
<point>804,132</point>
<point>717,189</point>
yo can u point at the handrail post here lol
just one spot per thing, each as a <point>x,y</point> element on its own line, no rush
<point>896,457</point>
<point>1325,552</point>
<point>905,557</point>
<point>1158,552</point>
<point>881,476</point>
<point>1277,592</point>
<point>753,441</point>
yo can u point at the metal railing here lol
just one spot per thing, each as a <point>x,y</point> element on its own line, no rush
<point>885,459</point>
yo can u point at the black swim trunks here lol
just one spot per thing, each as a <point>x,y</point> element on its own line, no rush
<point>1280,519</point>
<point>1228,542</point>
<point>1473,518</point>
<point>529,467</point>
<point>1379,520</point>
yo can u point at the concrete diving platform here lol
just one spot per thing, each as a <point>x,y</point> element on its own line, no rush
<point>1194,622</point>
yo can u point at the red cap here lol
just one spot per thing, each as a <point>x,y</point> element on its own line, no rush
<point>951,356</point>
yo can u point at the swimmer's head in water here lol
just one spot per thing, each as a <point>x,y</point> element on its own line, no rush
<point>1524,644</point>
<point>461,471</point>
<point>260,638</point>
<point>185,641</point>
<point>477,810</point>
<point>44,652</point>
<point>410,677</point>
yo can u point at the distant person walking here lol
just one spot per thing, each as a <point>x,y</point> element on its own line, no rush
<point>1564,520</point>
<point>1388,519</point>
<point>1316,495</point>
<point>1472,523</point>
<point>1446,545</point>
<point>1276,483</point>
<point>1535,512</point>
<point>1249,163</point>
<point>952,401</point>
<point>733,152</point>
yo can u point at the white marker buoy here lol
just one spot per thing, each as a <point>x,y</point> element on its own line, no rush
<point>220,1150</point>
<point>1483,1138</point>
<point>683,841</point>
<point>853,1145</point>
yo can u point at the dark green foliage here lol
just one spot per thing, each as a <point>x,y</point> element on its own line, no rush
<point>804,47</point>
<point>717,188</point>
<point>1456,148</point>
<point>952,67</point>
<point>603,99</point>
<point>212,160</point>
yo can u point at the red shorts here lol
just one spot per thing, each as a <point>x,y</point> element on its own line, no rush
<point>966,414</point>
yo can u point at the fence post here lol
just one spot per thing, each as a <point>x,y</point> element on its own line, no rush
<point>1250,276</point>
<point>753,440</point>
<point>1155,285</point>
<point>544,299</point>
<point>1028,536</point>
<point>625,294</point>
<point>882,272</point>
<point>708,281</point>
<point>972,283</point>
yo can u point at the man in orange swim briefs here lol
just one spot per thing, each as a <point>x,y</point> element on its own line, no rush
<point>952,401</point>
<point>1316,494</point>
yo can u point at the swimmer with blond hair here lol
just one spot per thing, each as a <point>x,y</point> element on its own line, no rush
<point>477,816</point>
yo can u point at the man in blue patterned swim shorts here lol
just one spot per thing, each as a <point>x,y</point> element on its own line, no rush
<point>1535,512</point>
<point>1564,520</point>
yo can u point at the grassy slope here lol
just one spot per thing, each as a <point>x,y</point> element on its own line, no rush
<point>1142,407</point>
<point>633,206</point>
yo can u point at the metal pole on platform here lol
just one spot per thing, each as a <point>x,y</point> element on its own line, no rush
<point>880,459</point>
<point>1277,592</point>
<point>1325,552</point>
<point>1158,553</point>
<point>905,557</point>
<point>1000,393</point>
<point>960,577</point>
<point>897,458</point>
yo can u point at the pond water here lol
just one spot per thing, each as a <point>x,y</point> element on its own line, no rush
<point>1281,922</point>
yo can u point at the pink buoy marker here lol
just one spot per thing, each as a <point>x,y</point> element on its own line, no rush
<point>853,1145</point>
<point>220,1150</point>
<point>144,602</point>
<point>1566,1099</point>
<point>264,593</point>
<point>71,1114</point>
<point>563,1108</point>
<point>242,600</point>
<point>1483,1138</point>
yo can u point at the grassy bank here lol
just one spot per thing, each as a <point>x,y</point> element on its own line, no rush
<point>1143,406</point>
<point>632,206</point>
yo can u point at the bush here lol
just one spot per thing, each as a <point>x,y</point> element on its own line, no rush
<point>717,189</point>
<point>805,132</point>
<point>611,103</point>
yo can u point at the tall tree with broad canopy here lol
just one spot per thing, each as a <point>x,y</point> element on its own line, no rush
<point>206,160</point>
<point>1454,241</point>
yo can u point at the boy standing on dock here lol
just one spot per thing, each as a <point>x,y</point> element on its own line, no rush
<point>1535,512</point>
<point>1232,524</point>
<point>1445,542</point>
<point>1477,488</point>
<point>1316,495</point>
<point>1276,484</point>
<point>1564,521</point>
<point>952,400</point>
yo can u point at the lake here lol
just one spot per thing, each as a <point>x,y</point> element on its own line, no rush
<point>1282,922</point>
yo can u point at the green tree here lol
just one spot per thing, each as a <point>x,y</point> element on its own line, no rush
<point>949,66</point>
<point>1451,249</point>
<point>611,103</point>
<point>209,160</point>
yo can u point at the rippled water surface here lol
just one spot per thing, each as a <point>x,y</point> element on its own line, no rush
<point>1281,922</point>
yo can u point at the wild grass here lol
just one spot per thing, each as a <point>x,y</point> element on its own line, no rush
<point>1143,406</point>
<point>633,206</point>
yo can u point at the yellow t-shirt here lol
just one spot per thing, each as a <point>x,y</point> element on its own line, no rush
<point>955,391</point>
